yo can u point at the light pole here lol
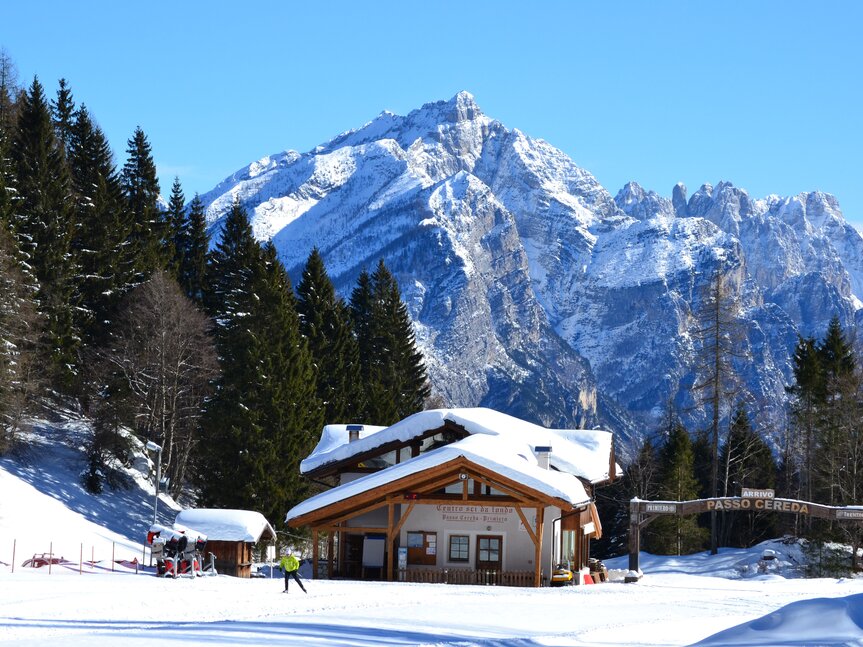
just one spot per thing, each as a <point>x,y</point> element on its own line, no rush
<point>153,447</point>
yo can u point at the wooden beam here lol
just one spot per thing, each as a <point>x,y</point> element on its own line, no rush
<point>404,518</point>
<point>330,548</point>
<point>352,529</point>
<point>502,488</point>
<point>390,542</point>
<point>526,524</point>
<point>540,526</point>
<point>314,554</point>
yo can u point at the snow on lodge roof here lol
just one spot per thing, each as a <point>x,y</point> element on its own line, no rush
<point>587,453</point>
<point>227,525</point>
<point>497,441</point>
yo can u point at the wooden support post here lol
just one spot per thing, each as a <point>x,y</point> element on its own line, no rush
<point>390,540</point>
<point>540,524</point>
<point>314,553</point>
<point>330,549</point>
<point>634,541</point>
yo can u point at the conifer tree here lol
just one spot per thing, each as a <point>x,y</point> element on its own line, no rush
<point>174,234</point>
<point>63,111</point>
<point>141,188</point>
<point>746,462</point>
<point>290,410</point>
<point>841,386</point>
<point>392,367</point>
<point>808,396</point>
<point>102,228</point>
<point>42,221</point>
<point>677,535</point>
<point>195,244</point>
<point>404,374</point>
<point>228,464</point>
<point>325,324</point>
<point>263,416</point>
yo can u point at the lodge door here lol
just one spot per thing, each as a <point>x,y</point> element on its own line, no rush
<point>489,552</point>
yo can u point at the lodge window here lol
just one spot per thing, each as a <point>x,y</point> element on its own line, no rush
<point>459,548</point>
<point>422,548</point>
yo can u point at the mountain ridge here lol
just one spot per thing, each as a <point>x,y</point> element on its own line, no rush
<point>532,288</point>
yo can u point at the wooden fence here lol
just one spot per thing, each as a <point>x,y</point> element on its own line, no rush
<point>467,576</point>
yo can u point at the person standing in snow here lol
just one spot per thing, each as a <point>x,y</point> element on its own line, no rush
<point>291,565</point>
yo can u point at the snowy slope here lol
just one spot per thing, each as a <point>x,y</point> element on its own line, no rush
<point>532,288</point>
<point>678,602</point>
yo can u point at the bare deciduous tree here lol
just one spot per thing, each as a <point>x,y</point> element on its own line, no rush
<point>719,338</point>
<point>165,359</point>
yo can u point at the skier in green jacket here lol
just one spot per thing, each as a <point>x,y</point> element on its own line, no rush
<point>290,565</point>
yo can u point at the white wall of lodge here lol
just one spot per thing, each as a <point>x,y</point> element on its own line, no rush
<point>472,521</point>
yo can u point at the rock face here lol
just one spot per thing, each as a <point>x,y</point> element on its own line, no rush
<point>532,289</point>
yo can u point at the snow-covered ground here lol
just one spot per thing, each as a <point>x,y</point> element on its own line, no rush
<point>680,601</point>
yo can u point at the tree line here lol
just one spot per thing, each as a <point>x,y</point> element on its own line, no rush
<point>119,306</point>
<point>817,458</point>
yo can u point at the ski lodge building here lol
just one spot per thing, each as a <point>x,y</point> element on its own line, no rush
<point>455,495</point>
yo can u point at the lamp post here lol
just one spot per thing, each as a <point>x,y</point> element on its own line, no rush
<point>153,447</point>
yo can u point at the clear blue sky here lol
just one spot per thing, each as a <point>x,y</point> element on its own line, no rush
<point>766,94</point>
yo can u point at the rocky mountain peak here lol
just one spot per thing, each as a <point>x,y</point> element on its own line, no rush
<point>520,270</point>
<point>678,200</point>
<point>640,204</point>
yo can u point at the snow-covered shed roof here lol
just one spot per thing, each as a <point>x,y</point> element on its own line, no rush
<point>587,453</point>
<point>227,525</point>
<point>505,456</point>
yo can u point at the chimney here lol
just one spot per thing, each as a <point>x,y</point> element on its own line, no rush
<point>354,432</point>
<point>542,454</point>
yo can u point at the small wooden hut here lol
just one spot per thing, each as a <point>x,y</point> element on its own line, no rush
<point>231,535</point>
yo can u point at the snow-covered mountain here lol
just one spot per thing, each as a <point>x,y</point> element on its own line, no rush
<point>532,288</point>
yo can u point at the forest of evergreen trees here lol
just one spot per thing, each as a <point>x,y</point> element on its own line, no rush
<point>818,458</point>
<point>116,307</point>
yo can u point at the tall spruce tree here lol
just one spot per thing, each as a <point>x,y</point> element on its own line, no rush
<point>194,244</point>
<point>840,384</point>
<point>262,416</point>
<point>677,535</point>
<point>43,224</point>
<point>807,399</point>
<point>102,228</point>
<point>325,323</point>
<point>405,374</point>
<point>141,188</point>
<point>291,411</point>
<point>175,225</point>
<point>63,111</point>
<point>392,366</point>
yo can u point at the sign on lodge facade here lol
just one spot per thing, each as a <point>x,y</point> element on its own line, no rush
<point>750,500</point>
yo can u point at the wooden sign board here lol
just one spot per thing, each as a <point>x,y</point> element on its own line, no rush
<point>753,493</point>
